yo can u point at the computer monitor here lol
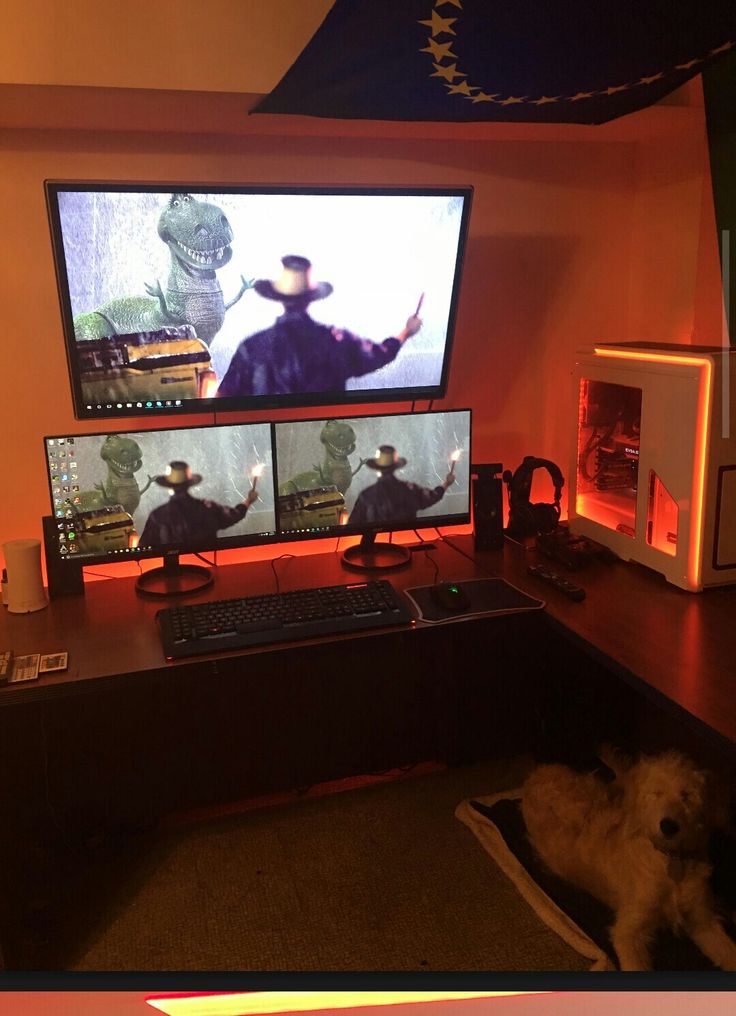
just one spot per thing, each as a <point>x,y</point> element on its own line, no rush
<point>161,284</point>
<point>372,474</point>
<point>159,493</point>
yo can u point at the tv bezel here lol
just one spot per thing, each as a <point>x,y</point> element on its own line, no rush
<point>248,540</point>
<point>362,396</point>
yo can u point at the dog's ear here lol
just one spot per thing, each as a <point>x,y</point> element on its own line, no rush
<point>616,760</point>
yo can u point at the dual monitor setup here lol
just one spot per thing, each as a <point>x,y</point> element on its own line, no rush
<point>180,299</point>
<point>162,493</point>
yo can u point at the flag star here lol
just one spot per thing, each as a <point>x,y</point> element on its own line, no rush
<point>449,73</point>
<point>457,3</point>
<point>439,50</point>
<point>581,95</point>
<point>721,49</point>
<point>544,100</point>
<point>687,66</point>
<point>651,78</point>
<point>462,88</point>
<point>612,89</point>
<point>512,99</point>
<point>485,97</point>
<point>440,25</point>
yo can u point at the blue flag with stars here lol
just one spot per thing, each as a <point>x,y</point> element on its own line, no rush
<point>571,61</point>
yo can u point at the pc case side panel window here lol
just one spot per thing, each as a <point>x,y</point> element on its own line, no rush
<point>662,517</point>
<point>609,421</point>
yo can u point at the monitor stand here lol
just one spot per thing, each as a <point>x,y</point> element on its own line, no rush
<point>371,556</point>
<point>174,579</point>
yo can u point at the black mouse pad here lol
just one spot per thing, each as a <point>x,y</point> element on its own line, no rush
<point>487,596</point>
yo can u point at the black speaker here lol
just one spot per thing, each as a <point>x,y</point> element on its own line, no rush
<point>65,578</point>
<point>487,506</point>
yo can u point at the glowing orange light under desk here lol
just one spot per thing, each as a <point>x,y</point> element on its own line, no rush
<point>701,441</point>
<point>260,1003</point>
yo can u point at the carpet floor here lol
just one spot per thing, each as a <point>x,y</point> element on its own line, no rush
<point>379,878</point>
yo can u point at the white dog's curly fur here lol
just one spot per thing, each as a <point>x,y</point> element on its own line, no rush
<point>638,843</point>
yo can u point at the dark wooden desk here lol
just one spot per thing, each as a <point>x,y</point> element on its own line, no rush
<point>111,632</point>
<point>678,647</point>
<point>125,737</point>
<point>125,730</point>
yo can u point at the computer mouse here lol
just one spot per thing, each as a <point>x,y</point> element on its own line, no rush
<point>450,596</point>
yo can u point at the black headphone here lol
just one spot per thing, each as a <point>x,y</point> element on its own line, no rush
<point>526,519</point>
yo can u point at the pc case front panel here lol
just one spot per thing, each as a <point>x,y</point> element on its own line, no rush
<point>719,549</point>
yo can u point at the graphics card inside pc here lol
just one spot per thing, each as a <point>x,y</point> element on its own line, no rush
<point>608,449</point>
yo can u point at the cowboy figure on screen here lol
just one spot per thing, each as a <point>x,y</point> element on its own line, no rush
<point>297,354</point>
<point>187,519</point>
<point>390,499</point>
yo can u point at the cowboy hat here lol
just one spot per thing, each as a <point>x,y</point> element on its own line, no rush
<point>386,459</point>
<point>294,283</point>
<point>178,475</point>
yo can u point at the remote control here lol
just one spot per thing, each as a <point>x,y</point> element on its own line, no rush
<point>570,590</point>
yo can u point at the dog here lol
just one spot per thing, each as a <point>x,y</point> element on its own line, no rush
<point>638,843</point>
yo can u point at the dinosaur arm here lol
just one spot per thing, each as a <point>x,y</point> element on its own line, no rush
<point>359,466</point>
<point>246,285</point>
<point>157,293</point>
<point>150,481</point>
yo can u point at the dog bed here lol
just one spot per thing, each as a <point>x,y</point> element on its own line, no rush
<point>577,917</point>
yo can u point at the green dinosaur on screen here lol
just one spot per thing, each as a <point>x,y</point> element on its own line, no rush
<point>124,458</point>
<point>339,441</point>
<point>198,236</point>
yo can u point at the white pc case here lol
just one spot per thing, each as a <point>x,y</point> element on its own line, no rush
<point>654,472</point>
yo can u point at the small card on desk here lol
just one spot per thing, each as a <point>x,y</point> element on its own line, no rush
<point>25,668</point>
<point>53,661</point>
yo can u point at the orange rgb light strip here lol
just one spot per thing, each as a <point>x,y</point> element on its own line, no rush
<point>701,442</point>
<point>258,1003</point>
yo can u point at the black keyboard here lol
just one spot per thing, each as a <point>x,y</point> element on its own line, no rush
<point>279,617</point>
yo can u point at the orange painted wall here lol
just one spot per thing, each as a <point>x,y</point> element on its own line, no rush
<point>559,254</point>
<point>571,241</point>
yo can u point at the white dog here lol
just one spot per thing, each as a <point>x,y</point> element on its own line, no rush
<point>639,844</point>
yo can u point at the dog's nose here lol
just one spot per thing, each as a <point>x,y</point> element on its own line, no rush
<point>669,827</point>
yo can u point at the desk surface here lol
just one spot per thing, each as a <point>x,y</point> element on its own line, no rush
<point>680,646</point>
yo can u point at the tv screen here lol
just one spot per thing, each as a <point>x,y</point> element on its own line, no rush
<point>184,298</point>
<point>113,496</point>
<point>372,474</point>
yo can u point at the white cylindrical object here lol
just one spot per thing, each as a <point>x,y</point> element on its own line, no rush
<point>25,579</point>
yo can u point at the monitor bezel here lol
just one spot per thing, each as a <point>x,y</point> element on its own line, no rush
<point>257,403</point>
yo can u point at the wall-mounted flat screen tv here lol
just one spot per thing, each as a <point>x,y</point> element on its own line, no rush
<point>185,298</point>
